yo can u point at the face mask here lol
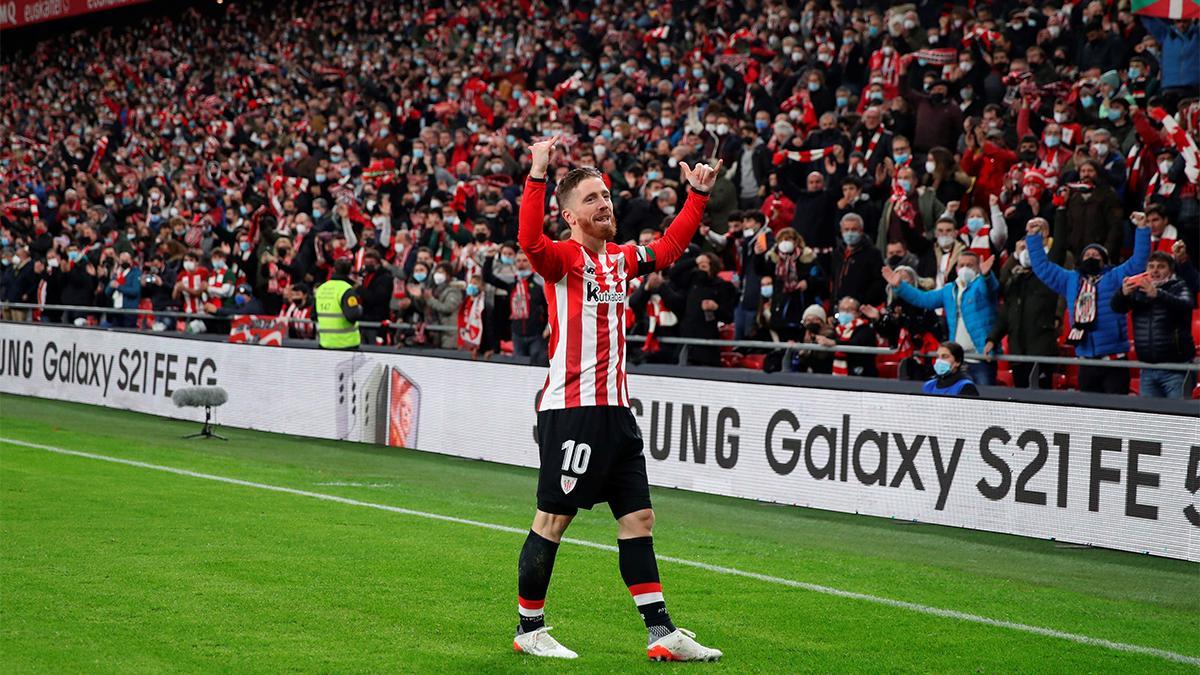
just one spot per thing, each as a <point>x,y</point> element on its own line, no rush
<point>905,184</point>
<point>967,275</point>
<point>1091,267</point>
<point>1087,101</point>
<point>814,86</point>
<point>965,66</point>
<point>966,94</point>
<point>722,129</point>
<point>1030,191</point>
<point>900,158</point>
<point>1114,115</point>
<point>767,291</point>
<point>219,264</point>
<point>524,274</point>
<point>301,228</point>
<point>472,290</point>
<point>852,237</point>
<point>52,263</point>
<point>930,166</point>
<point>317,213</point>
<point>876,96</point>
<point>15,260</point>
<point>844,318</point>
<point>73,256</point>
<point>842,101</point>
<point>1101,149</point>
<point>787,246</point>
<point>887,50</point>
<point>507,260</point>
<point>861,169</point>
<point>975,224</point>
<point>131,236</point>
<point>189,265</point>
<point>704,87</point>
<point>439,278</point>
<point>1134,73</point>
<point>669,209</point>
<point>1051,141</point>
<point>420,277</point>
<point>1164,167</point>
<point>1023,257</point>
<point>418,153</point>
<point>673,162</point>
<point>747,233</point>
<point>653,175</point>
<point>945,240</point>
<point>941,367</point>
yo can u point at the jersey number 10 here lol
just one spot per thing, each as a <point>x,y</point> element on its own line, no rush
<point>576,456</point>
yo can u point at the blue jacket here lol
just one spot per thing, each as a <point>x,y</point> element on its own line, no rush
<point>1111,333</point>
<point>978,302</point>
<point>1179,50</point>
<point>131,290</point>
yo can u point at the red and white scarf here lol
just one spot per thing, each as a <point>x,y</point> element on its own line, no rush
<point>519,302</point>
<point>870,146</point>
<point>844,334</point>
<point>1182,142</point>
<point>470,323</point>
<point>802,156</point>
<point>902,206</point>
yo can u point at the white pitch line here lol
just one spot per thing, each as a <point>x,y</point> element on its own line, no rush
<point>791,583</point>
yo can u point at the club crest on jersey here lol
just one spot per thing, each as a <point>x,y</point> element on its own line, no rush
<point>568,483</point>
<point>595,295</point>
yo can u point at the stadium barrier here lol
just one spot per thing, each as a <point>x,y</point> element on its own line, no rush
<point>1096,476</point>
<point>787,347</point>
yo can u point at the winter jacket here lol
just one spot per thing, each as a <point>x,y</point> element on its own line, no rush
<point>442,308</point>
<point>1162,325</point>
<point>1095,220</point>
<point>978,305</point>
<point>131,290</point>
<point>856,274</point>
<point>988,165</point>
<point>1179,50</point>
<point>1029,317</point>
<point>1110,334</point>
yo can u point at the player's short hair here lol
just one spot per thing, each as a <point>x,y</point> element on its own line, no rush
<point>572,180</point>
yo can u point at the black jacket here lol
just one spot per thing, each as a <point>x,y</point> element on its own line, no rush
<point>688,290</point>
<point>1030,314</point>
<point>1162,331</point>
<point>376,294</point>
<point>857,275</point>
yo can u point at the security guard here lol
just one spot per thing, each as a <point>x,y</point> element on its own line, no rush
<point>338,310</point>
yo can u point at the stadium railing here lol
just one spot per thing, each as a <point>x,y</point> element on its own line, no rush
<point>683,342</point>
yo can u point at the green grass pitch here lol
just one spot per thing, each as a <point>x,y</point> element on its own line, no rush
<point>114,568</point>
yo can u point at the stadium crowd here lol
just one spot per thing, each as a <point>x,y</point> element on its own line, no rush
<point>1017,177</point>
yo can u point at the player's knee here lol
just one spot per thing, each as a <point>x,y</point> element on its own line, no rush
<point>552,526</point>
<point>638,524</point>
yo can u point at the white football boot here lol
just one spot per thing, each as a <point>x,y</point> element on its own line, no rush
<point>681,645</point>
<point>539,643</point>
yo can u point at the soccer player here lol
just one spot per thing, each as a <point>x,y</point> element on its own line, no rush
<point>590,445</point>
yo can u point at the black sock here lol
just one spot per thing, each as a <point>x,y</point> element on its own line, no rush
<point>533,578</point>
<point>639,569</point>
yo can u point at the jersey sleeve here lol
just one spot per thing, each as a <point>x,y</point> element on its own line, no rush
<point>662,253</point>
<point>548,257</point>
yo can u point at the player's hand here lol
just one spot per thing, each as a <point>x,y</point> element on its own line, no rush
<point>541,151</point>
<point>702,176</point>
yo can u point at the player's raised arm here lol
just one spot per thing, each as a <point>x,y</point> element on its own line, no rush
<point>543,252</point>
<point>675,240</point>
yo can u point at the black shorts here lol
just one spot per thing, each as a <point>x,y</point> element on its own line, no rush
<point>591,455</point>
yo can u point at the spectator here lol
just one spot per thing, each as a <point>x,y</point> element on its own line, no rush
<point>970,304</point>
<point>851,329</point>
<point>242,302</point>
<point>299,312</point>
<point>756,240</point>
<point>706,300</point>
<point>797,282</point>
<point>1096,330</point>
<point>1162,332</point>
<point>442,300</point>
<point>1031,313</point>
<point>79,287</point>
<point>816,331</point>
<point>855,265</point>
<point>949,379</point>
<point>906,327</point>
<point>125,290</point>
<point>1180,42</point>
<point>526,305</point>
<point>1094,213</point>
<point>375,291</point>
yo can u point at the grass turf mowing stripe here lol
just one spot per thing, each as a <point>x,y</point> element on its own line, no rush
<point>791,583</point>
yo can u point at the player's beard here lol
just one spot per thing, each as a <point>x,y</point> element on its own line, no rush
<point>604,230</point>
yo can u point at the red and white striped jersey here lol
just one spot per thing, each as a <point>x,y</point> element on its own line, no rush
<point>586,300</point>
